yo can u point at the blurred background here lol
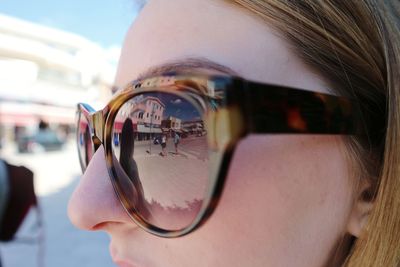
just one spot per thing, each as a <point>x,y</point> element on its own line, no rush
<point>54,54</point>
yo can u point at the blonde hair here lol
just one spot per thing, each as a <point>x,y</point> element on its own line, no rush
<point>355,45</point>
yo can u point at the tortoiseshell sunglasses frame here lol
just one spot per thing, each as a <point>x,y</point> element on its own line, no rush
<point>232,108</point>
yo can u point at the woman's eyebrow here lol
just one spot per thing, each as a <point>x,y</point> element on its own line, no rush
<point>186,65</point>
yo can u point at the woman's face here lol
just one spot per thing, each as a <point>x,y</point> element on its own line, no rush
<point>287,199</point>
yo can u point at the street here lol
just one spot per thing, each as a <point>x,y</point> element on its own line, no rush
<point>56,175</point>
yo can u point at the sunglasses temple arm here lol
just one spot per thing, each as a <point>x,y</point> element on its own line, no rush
<point>278,109</point>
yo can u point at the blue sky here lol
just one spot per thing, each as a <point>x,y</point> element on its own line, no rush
<point>102,21</point>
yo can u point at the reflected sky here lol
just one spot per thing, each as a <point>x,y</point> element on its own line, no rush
<point>175,106</point>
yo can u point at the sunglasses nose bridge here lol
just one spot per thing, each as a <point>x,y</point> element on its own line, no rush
<point>96,142</point>
<point>98,129</point>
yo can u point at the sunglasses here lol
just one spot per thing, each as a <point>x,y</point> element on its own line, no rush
<point>169,140</point>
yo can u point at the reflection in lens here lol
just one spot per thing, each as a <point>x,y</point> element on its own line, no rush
<point>84,141</point>
<point>161,159</point>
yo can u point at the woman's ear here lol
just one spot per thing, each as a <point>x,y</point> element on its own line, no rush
<point>361,209</point>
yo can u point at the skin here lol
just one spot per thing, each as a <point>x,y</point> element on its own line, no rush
<point>288,199</point>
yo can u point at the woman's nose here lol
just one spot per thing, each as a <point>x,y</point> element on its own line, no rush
<point>94,203</point>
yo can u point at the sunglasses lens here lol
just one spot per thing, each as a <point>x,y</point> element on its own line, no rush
<point>160,158</point>
<point>85,145</point>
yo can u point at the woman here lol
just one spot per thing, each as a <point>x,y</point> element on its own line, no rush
<point>304,177</point>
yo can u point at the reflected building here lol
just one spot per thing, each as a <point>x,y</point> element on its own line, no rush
<point>194,127</point>
<point>146,115</point>
<point>172,124</point>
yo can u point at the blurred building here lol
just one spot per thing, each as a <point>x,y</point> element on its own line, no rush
<point>45,72</point>
<point>194,127</point>
<point>172,123</point>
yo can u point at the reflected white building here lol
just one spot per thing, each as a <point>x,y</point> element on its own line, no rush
<point>145,113</point>
<point>45,72</point>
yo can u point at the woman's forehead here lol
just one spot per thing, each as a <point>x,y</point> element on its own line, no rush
<point>167,32</point>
